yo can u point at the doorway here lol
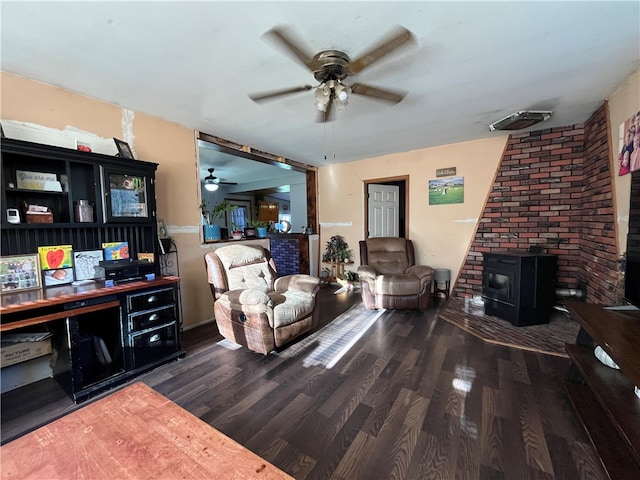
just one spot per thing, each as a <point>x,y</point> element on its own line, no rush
<point>252,174</point>
<point>386,206</point>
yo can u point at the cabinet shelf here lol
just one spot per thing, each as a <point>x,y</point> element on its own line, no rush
<point>84,176</point>
<point>605,439</point>
<point>31,192</point>
<point>40,226</point>
<point>613,392</point>
<point>604,397</point>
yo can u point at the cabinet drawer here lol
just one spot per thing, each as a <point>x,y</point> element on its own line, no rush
<point>153,344</point>
<point>151,318</point>
<point>150,299</point>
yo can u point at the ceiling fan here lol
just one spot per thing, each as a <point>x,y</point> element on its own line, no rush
<point>211,183</point>
<point>332,67</point>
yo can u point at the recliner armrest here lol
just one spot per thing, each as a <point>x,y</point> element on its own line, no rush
<point>366,272</point>
<point>300,282</point>
<point>423,272</point>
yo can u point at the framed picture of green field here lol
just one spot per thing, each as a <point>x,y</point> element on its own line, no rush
<point>444,191</point>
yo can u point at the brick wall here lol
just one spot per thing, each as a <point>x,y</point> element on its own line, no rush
<point>553,190</point>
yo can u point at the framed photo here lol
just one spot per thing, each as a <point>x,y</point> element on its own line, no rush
<point>19,272</point>
<point>85,262</point>
<point>55,256</point>
<point>59,276</point>
<point>124,150</point>
<point>147,257</point>
<point>125,195</point>
<point>444,191</point>
<point>116,250</point>
<point>629,141</point>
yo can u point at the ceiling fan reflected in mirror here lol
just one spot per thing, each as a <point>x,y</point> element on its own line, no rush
<point>332,67</point>
<point>212,183</point>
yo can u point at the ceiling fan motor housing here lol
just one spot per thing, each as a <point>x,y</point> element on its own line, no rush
<point>331,65</point>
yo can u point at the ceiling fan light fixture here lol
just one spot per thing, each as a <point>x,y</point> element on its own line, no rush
<point>210,183</point>
<point>210,186</point>
<point>342,93</point>
<point>322,96</point>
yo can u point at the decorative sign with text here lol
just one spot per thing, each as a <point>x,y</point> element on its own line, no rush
<point>446,172</point>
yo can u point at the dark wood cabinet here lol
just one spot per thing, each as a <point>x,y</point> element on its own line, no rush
<point>103,335</point>
<point>103,181</point>
<point>602,396</point>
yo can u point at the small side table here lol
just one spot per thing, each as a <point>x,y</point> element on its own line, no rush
<point>336,271</point>
<point>441,276</point>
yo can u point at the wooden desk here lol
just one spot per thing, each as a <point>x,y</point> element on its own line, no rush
<point>133,433</point>
<point>51,301</point>
<point>138,323</point>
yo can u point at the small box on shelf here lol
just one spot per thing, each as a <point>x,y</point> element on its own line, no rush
<point>38,214</point>
<point>46,217</point>
<point>17,352</point>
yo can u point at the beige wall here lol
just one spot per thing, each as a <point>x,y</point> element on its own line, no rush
<point>623,103</point>
<point>170,145</point>
<point>441,233</point>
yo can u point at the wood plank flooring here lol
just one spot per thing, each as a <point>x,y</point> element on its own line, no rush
<point>414,398</point>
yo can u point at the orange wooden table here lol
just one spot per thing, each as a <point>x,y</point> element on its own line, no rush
<point>133,433</point>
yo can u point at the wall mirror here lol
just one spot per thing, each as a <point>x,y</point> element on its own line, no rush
<point>249,179</point>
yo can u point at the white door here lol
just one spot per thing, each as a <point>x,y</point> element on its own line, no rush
<point>383,210</point>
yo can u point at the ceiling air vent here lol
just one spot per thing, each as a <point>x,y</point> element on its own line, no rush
<point>520,120</point>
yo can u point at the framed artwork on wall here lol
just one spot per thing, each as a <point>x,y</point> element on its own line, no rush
<point>629,145</point>
<point>444,191</point>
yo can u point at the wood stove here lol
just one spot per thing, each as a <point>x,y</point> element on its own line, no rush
<point>519,286</point>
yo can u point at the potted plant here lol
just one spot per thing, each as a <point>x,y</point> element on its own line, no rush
<point>337,250</point>
<point>260,227</point>
<point>213,216</point>
<point>236,231</point>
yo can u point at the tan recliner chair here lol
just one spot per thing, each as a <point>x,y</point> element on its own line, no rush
<point>253,307</point>
<point>389,277</point>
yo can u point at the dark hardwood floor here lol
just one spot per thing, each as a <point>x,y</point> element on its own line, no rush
<point>414,398</point>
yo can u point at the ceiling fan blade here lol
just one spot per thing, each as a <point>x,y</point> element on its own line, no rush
<point>395,40</point>
<point>386,95</point>
<point>286,38</point>
<point>260,97</point>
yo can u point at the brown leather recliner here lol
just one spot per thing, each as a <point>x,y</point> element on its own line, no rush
<point>389,277</point>
<point>252,306</point>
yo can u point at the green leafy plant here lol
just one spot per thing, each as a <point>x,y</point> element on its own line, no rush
<point>351,276</point>
<point>217,212</point>
<point>236,227</point>
<point>337,250</point>
<point>257,223</point>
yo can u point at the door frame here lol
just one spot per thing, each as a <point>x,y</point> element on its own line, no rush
<point>402,179</point>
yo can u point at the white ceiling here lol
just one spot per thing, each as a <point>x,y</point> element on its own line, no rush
<point>195,64</point>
